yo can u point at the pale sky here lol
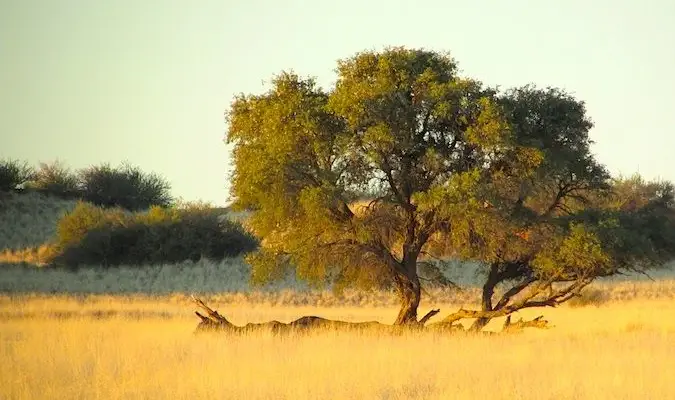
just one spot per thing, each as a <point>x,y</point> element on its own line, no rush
<point>92,81</point>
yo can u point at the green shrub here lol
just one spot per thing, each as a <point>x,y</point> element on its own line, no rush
<point>94,236</point>
<point>84,218</point>
<point>14,173</point>
<point>125,186</point>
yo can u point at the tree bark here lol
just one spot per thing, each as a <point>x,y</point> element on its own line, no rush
<point>212,321</point>
<point>410,293</point>
<point>486,298</point>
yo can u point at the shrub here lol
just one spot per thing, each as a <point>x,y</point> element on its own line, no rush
<point>57,180</point>
<point>14,173</point>
<point>91,236</point>
<point>86,217</point>
<point>126,186</point>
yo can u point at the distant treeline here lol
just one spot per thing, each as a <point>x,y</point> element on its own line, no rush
<point>124,186</point>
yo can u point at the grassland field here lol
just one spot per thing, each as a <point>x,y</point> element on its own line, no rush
<point>143,347</point>
<point>128,333</point>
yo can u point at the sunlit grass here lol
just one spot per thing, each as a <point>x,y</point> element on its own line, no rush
<point>140,347</point>
<point>37,256</point>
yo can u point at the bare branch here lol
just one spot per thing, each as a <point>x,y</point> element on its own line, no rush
<point>427,229</point>
<point>378,249</point>
<point>563,189</point>
<point>387,169</point>
<point>561,295</point>
<point>552,300</point>
<point>428,316</point>
<point>520,325</point>
<point>205,320</point>
<point>212,315</point>
<point>506,297</point>
<point>375,201</point>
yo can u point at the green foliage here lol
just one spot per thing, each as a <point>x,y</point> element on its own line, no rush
<point>75,225</point>
<point>400,125</point>
<point>635,223</point>
<point>447,167</point>
<point>125,186</point>
<point>91,235</point>
<point>566,221</point>
<point>14,173</point>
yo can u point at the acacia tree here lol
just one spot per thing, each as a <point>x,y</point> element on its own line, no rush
<point>549,234</point>
<point>448,167</point>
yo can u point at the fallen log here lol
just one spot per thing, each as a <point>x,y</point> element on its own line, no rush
<point>520,325</point>
<point>213,321</point>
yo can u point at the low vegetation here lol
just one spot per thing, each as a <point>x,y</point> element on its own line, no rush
<point>92,235</point>
<point>136,221</point>
<point>135,347</point>
<point>29,220</point>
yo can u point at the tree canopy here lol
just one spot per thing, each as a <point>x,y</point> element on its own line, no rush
<point>405,160</point>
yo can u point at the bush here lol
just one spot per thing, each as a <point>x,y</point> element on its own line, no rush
<point>93,236</point>
<point>57,180</point>
<point>13,174</point>
<point>84,218</point>
<point>126,186</point>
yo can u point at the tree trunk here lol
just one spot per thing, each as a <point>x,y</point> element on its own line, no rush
<point>486,299</point>
<point>409,292</point>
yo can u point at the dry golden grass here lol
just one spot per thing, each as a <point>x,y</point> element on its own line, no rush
<point>114,347</point>
<point>38,256</point>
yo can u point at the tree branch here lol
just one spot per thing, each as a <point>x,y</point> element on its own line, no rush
<point>552,300</point>
<point>211,315</point>
<point>428,316</point>
<point>425,123</point>
<point>560,195</point>
<point>387,169</point>
<point>506,297</point>
<point>520,325</point>
<point>377,249</point>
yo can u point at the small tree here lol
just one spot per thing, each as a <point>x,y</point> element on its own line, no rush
<point>405,160</point>
<point>14,173</point>
<point>126,186</point>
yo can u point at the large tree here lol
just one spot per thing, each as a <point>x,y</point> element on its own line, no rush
<point>404,160</point>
